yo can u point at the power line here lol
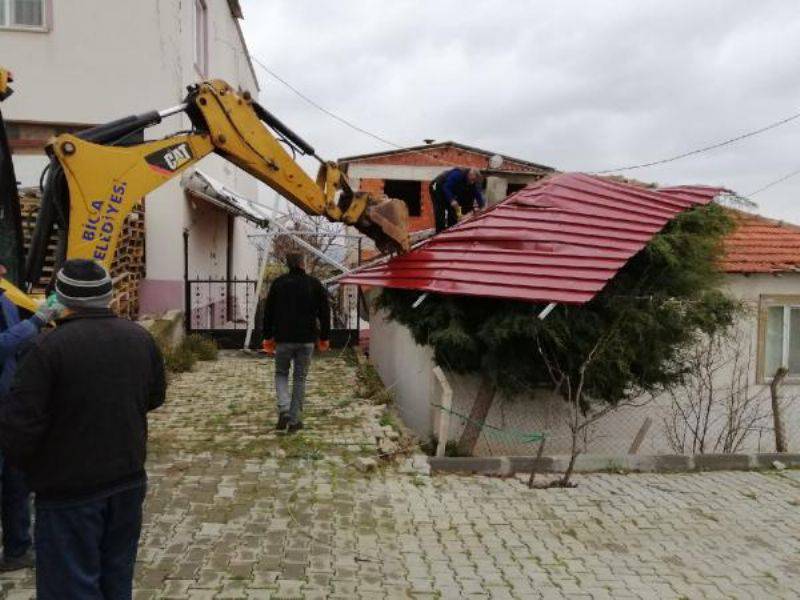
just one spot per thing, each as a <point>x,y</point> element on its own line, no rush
<point>705,148</point>
<point>662,161</point>
<point>775,182</point>
<point>322,108</point>
<point>346,122</point>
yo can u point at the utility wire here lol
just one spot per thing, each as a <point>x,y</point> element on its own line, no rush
<point>662,161</point>
<point>321,108</point>
<point>344,121</point>
<point>774,183</point>
<point>705,148</point>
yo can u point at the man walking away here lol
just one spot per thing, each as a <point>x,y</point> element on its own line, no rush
<point>454,193</point>
<point>16,510</point>
<point>296,315</point>
<point>75,421</point>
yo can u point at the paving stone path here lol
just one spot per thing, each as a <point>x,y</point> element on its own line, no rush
<point>236,511</point>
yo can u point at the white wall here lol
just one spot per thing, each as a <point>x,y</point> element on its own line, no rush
<point>105,59</point>
<point>406,368</point>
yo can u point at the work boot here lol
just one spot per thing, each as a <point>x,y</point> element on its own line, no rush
<point>15,563</point>
<point>283,421</point>
<point>295,427</point>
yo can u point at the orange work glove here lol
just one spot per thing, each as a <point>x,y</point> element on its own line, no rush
<point>269,347</point>
<point>323,345</point>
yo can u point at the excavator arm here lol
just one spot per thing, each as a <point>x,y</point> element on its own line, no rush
<point>96,176</point>
<point>11,252</point>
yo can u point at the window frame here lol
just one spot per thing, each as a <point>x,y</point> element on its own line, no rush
<point>47,18</point>
<point>200,7</point>
<point>788,302</point>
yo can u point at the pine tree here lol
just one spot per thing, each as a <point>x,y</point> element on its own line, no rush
<point>627,341</point>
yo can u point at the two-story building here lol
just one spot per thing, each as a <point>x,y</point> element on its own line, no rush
<point>406,173</point>
<point>86,62</point>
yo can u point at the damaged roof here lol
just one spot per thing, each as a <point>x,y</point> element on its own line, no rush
<point>761,245</point>
<point>559,240</point>
<point>205,187</point>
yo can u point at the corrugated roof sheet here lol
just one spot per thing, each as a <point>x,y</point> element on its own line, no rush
<point>559,240</point>
<point>210,189</point>
<point>761,245</point>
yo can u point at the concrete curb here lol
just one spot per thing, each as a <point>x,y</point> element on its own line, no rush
<point>589,463</point>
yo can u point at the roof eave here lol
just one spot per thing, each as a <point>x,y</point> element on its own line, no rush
<point>487,153</point>
<point>236,9</point>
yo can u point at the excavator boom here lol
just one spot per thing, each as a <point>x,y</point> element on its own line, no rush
<point>96,176</point>
<point>11,255</point>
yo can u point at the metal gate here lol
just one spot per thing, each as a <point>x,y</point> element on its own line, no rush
<point>224,308</point>
<point>221,309</point>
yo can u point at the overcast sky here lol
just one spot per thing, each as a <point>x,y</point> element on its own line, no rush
<point>575,85</point>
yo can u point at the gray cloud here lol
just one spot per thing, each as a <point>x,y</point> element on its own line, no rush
<point>576,85</point>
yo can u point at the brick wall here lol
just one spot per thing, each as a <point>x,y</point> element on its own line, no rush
<point>445,157</point>
<point>437,156</point>
<point>424,221</point>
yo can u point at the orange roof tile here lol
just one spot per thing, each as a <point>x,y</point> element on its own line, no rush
<point>761,245</point>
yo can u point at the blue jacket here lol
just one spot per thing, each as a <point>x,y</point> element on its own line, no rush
<point>457,187</point>
<point>13,334</point>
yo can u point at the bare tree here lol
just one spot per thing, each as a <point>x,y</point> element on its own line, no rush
<point>582,413</point>
<point>330,240</point>
<point>324,235</point>
<point>717,408</point>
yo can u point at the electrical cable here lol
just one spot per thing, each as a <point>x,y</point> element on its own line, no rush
<point>382,139</point>
<point>774,183</point>
<point>732,140</point>
<point>321,108</point>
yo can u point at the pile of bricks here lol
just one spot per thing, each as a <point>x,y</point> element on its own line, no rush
<point>30,201</point>
<point>128,267</point>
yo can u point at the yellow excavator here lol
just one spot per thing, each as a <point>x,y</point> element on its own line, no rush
<point>96,176</point>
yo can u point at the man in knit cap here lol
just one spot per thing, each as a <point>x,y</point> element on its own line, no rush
<point>75,421</point>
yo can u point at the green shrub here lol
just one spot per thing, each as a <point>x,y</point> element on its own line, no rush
<point>204,348</point>
<point>180,359</point>
<point>191,349</point>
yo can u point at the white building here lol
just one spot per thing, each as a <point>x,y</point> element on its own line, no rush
<point>79,63</point>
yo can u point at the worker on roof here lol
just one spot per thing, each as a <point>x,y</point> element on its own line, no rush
<point>454,193</point>
<point>15,334</point>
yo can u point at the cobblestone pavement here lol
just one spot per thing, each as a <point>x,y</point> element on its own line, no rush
<point>235,511</point>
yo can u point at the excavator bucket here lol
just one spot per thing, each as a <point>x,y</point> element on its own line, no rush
<point>388,224</point>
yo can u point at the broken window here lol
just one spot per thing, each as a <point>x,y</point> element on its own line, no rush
<point>409,192</point>
<point>513,188</point>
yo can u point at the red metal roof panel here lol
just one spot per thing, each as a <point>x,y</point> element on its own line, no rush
<point>559,240</point>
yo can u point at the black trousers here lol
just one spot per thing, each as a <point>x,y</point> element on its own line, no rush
<point>88,549</point>
<point>443,214</point>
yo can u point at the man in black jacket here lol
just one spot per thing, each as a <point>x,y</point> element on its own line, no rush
<point>75,421</point>
<point>296,315</point>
